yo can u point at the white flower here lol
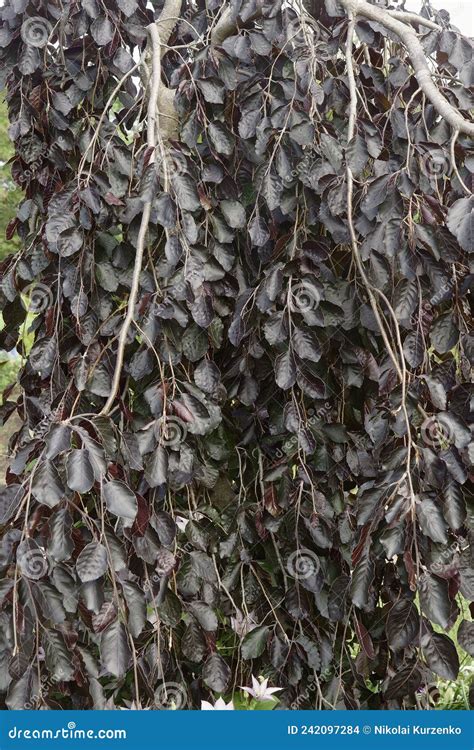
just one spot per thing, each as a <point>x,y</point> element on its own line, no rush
<point>260,691</point>
<point>219,705</point>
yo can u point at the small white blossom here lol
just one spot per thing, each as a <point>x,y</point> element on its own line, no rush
<point>260,690</point>
<point>219,705</point>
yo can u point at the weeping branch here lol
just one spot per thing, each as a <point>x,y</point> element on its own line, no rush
<point>400,23</point>
<point>400,366</point>
<point>162,121</point>
<point>155,85</point>
<point>410,40</point>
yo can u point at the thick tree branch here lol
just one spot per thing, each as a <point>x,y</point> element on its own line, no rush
<point>415,19</point>
<point>418,60</point>
<point>167,21</point>
<point>224,28</point>
<point>167,115</point>
<point>227,25</point>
